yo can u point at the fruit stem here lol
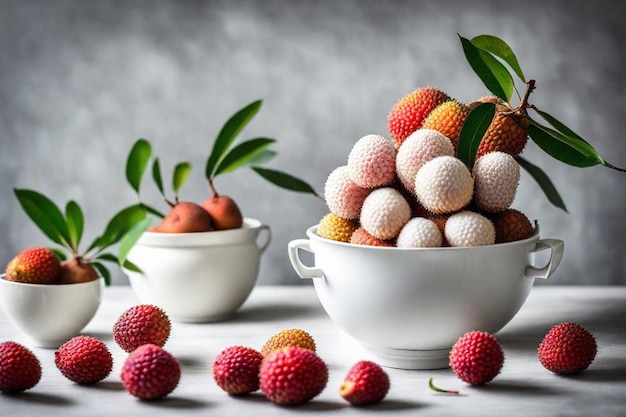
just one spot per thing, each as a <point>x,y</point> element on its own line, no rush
<point>523,105</point>
<point>432,386</point>
<point>213,190</point>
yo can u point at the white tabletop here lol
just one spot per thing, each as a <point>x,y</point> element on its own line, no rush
<point>523,387</point>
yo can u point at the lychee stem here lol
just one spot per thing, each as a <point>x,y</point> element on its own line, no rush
<point>213,190</point>
<point>432,386</point>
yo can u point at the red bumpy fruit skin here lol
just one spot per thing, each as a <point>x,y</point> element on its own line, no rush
<point>568,348</point>
<point>140,325</point>
<point>20,369</point>
<point>84,360</point>
<point>476,358</point>
<point>236,370</point>
<point>366,383</point>
<point>36,265</point>
<point>150,372</point>
<point>292,376</point>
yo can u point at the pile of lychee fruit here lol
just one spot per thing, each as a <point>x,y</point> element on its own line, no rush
<point>40,265</point>
<point>414,191</point>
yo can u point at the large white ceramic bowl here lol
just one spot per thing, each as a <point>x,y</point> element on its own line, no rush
<point>50,314</point>
<point>198,277</point>
<point>407,307</point>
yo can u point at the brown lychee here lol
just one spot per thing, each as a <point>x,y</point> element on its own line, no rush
<point>448,118</point>
<point>224,212</point>
<point>508,132</point>
<point>408,114</point>
<point>511,225</point>
<point>76,271</point>
<point>336,228</point>
<point>186,217</point>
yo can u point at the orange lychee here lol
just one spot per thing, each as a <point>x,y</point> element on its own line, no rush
<point>186,217</point>
<point>336,228</point>
<point>224,212</point>
<point>362,237</point>
<point>35,265</point>
<point>448,119</point>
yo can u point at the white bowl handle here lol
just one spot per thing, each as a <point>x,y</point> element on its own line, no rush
<point>268,237</point>
<point>556,253</point>
<point>302,270</point>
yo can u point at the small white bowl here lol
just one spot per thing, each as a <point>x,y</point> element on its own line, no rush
<point>50,314</point>
<point>407,307</point>
<point>198,277</point>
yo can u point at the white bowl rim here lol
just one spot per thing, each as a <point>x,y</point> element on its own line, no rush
<point>52,285</point>
<point>311,232</point>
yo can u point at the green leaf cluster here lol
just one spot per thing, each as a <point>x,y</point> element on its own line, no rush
<point>489,57</point>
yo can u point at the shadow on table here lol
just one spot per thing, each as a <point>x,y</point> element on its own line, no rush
<point>37,398</point>
<point>273,312</point>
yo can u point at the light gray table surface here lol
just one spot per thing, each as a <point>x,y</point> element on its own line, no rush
<point>523,388</point>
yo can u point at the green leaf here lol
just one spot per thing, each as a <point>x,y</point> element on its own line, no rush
<point>577,141</point>
<point>563,148</point>
<point>500,49</point>
<point>120,224</point>
<point>137,162</point>
<point>473,130</point>
<point>156,175</point>
<point>131,237</point>
<point>484,68</point>
<point>45,214</point>
<point>181,172</point>
<point>242,154</point>
<point>227,135</point>
<point>152,210</point>
<point>104,271</point>
<point>500,72</point>
<point>263,157</point>
<point>75,223</point>
<point>284,180</point>
<point>109,257</point>
<point>60,253</point>
<point>131,266</point>
<point>544,182</point>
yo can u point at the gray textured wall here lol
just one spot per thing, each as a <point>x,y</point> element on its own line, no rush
<point>80,81</point>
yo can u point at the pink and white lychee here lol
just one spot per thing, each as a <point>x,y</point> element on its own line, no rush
<point>419,232</point>
<point>343,197</point>
<point>372,162</point>
<point>444,185</point>
<point>420,147</point>
<point>384,213</point>
<point>496,177</point>
<point>468,228</point>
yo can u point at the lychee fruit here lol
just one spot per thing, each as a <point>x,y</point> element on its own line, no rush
<point>568,348</point>
<point>468,228</point>
<point>224,211</point>
<point>372,162</point>
<point>186,217</point>
<point>236,370</point>
<point>448,119</point>
<point>35,265</point>
<point>476,357</point>
<point>444,185</point>
<point>20,369</point>
<point>419,232</point>
<point>343,197</point>
<point>288,337</point>
<point>292,376</point>
<point>508,132</point>
<point>362,237</point>
<point>141,324</point>
<point>150,372</point>
<point>76,271</point>
<point>511,225</point>
<point>84,360</point>
<point>366,383</point>
<point>420,147</point>
<point>385,212</point>
<point>336,228</point>
<point>440,220</point>
<point>496,177</point>
<point>408,114</point>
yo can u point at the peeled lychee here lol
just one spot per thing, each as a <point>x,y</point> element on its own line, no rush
<point>444,185</point>
<point>362,237</point>
<point>20,369</point>
<point>150,372</point>
<point>408,114</point>
<point>76,271</point>
<point>511,225</point>
<point>35,265</point>
<point>448,118</point>
<point>419,233</point>
<point>476,357</point>
<point>568,348</point>
<point>496,177</point>
<point>288,337</point>
<point>343,196</point>
<point>236,370</point>
<point>224,212</point>
<point>292,376</point>
<point>384,213</point>
<point>84,360</point>
<point>420,147</point>
<point>366,383</point>
<point>372,162</point>
<point>336,228</point>
<point>468,228</point>
<point>141,324</point>
<point>186,217</point>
